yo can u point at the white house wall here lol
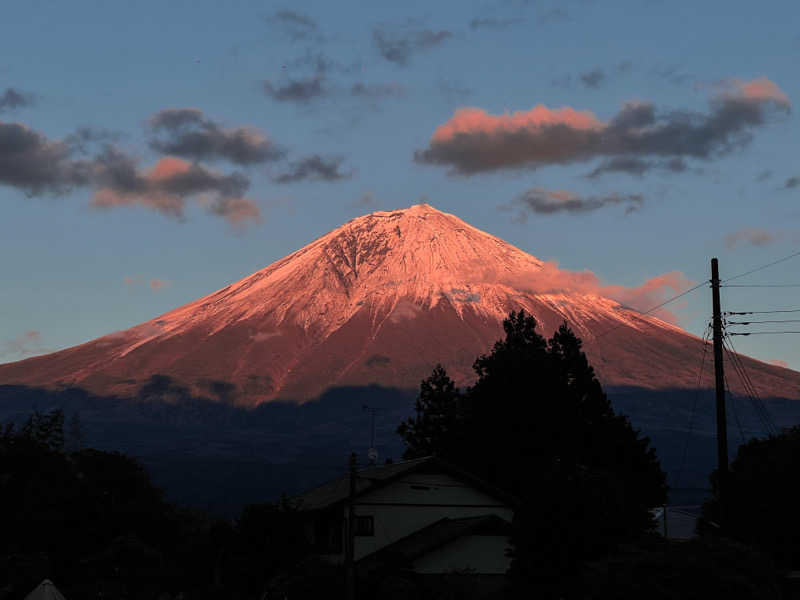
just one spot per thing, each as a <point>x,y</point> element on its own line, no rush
<point>482,554</point>
<point>402,508</point>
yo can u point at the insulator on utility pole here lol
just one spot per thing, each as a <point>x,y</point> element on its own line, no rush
<point>719,378</point>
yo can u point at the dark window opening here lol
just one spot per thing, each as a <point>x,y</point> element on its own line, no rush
<point>365,526</point>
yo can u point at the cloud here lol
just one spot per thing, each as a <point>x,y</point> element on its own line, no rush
<point>376,91</point>
<point>167,187</point>
<point>594,78</point>
<point>36,164</point>
<point>754,236</point>
<point>764,175</point>
<point>398,46</point>
<point>295,25</point>
<point>367,199</point>
<point>155,284</point>
<point>779,363</point>
<point>314,168</point>
<point>547,202</point>
<point>792,182</point>
<point>493,23</point>
<point>186,132</point>
<point>551,279</point>
<point>24,344</point>
<point>297,90</point>
<point>84,137</point>
<point>474,141</point>
<point>158,284</point>
<point>673,74</point>
<point>633,165</point>
<point>12,99</point>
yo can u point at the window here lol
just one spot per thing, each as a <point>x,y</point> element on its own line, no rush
<point>365,525</point>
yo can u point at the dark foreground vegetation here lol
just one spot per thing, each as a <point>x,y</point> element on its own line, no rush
<point>536,423</point>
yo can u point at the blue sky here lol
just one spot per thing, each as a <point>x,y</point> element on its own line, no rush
<point>331,102</point>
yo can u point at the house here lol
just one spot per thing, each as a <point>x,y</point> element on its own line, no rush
<point>426,514</point>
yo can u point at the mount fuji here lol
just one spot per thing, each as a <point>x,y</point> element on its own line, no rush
<point>379,300</point>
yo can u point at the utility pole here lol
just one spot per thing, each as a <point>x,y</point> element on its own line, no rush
<point>719,376</point>
<point>349,548</point>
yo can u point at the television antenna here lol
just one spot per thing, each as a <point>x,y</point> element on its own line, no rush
<point>372,453</point>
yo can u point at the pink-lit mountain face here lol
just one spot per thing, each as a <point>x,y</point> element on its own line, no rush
<point>381,299</point>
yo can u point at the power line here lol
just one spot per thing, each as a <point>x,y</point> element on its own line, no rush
<point>775,262</point>
<point>763,332</point>
<point>760,414</point>
<point>758,404</point>
<point>694,406</point>
<point>763,285</point>
<point>648,311</point>
<point>752,322</point>
<point>733,409</point>
<point>763,312</point>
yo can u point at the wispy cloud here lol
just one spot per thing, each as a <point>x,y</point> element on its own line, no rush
<point>154,284</point>
<point>400,44</point>
<point>23,345</point>
<point>373,91</point>
<point>297,26</point>
<point>594,78</point>
<point>542,201</point>
<point>187,132</point>
<point>754,236</point>
<point>314,168</point>
<point>792,182</point>
<point>300,91</point>
<point>493,23</point>
<point>12,99</point>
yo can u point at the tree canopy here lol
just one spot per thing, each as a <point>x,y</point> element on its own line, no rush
<point>763,495</point>
<point>538,424</point>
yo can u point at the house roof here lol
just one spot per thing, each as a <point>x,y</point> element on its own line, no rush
<point>371,478</point>
<point>436,535</point>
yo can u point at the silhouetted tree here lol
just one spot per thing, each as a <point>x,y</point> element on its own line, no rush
<point>538,424</point>
<point>763,496</point>
<point>46,429</point>
<point>439,420</point>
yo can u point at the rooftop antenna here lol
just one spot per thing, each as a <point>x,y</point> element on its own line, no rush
<point>372,453</point>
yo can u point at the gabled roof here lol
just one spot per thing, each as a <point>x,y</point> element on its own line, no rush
<point>435,536</point>
<point>45,591</point>
<point>372,478</point>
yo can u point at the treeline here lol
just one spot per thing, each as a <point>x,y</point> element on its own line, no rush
<point>93,522</point>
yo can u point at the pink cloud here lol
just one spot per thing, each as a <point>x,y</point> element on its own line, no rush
<point>779,363</point>
<point>24,344</point>
<point>474,141</point>
<point>550,279</point>
<point>750,235</point>
<point>476,120</point>
<point>159,284</point>
<point>168,167</point>
<point>169,185</point>
<point>759,90</point>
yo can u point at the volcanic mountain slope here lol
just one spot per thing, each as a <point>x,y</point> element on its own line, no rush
<point>381,299</point>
